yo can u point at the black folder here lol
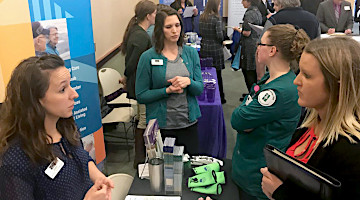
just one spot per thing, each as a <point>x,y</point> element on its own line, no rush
<point>288,168</point>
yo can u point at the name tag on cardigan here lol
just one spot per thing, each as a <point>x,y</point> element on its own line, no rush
<point>53,169</point>
<point>346,7</point>
<point>158,62</point>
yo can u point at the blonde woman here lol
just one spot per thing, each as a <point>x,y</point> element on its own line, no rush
<point>329,85</point>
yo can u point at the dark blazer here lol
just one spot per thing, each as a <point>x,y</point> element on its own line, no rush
<point>264,12</point>
<point>357,9</point>
<point>340,160</point>
<point>311,5</point>
<point>327,19</point>
<point>138,42</point>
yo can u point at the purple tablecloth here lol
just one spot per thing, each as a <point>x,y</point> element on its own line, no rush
<point>211,124</point>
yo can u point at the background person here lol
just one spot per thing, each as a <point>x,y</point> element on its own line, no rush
<point>211,31</point>
<point>39,36</point>
<point>311,5</point>
<point>37,128</point>
<point>271,112</point>
<point>180,6</point>
<point>53,40</point>
<point>135,42</point>
<point>248,42</point>
<point>168,80</point>
<point>290,12</point>
<point>335,16</point>
<point>328,85</point>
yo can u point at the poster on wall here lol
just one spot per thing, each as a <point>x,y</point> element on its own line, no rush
<point>236,13</point>
<point>64,28</point>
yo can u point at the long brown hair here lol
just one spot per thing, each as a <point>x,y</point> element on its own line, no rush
<point>22,115</point>
<point>142,9</point>
<point>158,35</point>
<point>211,8</point>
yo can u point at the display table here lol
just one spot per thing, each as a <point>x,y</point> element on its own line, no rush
<point>230,191</point>
<point>211,124</point>
<point>355,37</point>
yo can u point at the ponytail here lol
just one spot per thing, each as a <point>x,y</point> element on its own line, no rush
<point>301,39</point>
<point>130,25</point>
<point>289,41</point>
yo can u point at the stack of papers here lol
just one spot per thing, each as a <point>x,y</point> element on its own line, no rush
<point>136,197</point>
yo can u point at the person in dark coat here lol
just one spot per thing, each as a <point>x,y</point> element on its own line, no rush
<point>136,41</point>
<point>311,5</point>
<point>211,31</point>
<point>249,38</point>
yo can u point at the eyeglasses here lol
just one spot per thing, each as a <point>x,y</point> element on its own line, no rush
<point>261,44</point>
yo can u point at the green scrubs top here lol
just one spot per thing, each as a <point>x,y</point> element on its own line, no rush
<point>268,116</point>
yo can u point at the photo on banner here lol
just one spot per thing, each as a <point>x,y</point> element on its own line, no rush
<point>55,33</point>
<point>89,145</point>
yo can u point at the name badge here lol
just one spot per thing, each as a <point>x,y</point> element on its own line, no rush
<point>157,62</point>
<point>346,7</point>
<point>53,169</point>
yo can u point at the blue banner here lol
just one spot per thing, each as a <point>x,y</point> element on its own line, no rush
<point>75,46</point>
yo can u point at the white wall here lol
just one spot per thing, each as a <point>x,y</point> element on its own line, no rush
<point>110,18</point>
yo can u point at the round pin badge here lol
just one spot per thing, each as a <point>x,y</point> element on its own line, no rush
<point>267,98</point>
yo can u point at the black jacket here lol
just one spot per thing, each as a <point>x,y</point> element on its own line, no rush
<point>340,160</point>
<point>299,18</point>
<point>138,42</point>
<point>310,5</point>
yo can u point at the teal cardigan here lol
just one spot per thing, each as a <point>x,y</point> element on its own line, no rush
<point>151,84</point>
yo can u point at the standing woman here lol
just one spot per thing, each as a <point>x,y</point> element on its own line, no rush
<point>38,135</point>
<point>249,38</point>
<point>168,80</point>
<point>271,112</point>
<point>329,138</point>
<point>211,31</point>
<point>135,42</point>
<point>179,6</point>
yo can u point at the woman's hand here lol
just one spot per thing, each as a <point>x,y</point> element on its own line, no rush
<point>207,198</point>
<point>108,182</point>
<point>173,89</point>
<point>237,29</point>
<point>123,81</point>
<point>196,11</point>
<point>179,81</point>
<point>98,191</point>
<point>269,183</point>
<point>180,12</point>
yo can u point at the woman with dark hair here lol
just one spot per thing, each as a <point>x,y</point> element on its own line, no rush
<point>180,6</point>
<point>271,112</point>
<point>211,31</point>
<point>41,156</point>
<point>135,42</point>
<point>329,138</point>
<point>249,38</point>
<point>167,80</point>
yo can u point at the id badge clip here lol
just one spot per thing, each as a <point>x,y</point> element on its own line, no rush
<point>54,168</point>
